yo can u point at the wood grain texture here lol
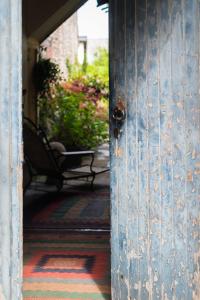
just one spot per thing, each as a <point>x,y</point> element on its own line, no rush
<point>10,151</point>
<point>155,177</point>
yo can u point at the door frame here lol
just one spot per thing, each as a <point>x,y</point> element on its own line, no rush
<point>11,149</point>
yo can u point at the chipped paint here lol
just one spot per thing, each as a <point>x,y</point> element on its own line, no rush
<point>190,176</point>
<point>2,297</point>
<point>118,152</point>
<point>155,184</point>
<point>196,279</point>
<point>121,104</point>
<point>10,151</point>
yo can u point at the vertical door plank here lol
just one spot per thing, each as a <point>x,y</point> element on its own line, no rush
<point>132,151</point>
<point>121,152</point>
<point>10,151</point>
<point>192,134</point>
<point>121,270</point>
<point>166,127</point>
<point>178,121</point>
<point>118,183</point>
<point>153,152</point>
<point>142,147</point>
<point>113,165</point>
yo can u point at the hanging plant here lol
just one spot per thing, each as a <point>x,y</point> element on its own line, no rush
<point>45,74</point>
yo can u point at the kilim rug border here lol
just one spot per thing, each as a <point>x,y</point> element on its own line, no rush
<point>71,210</point>
<point>66,266</point>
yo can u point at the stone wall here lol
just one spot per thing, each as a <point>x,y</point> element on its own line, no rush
<point>62,44</point>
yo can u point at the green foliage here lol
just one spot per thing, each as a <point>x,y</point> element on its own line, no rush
<point>99,68</point>
<point>93,75</point>
<point>75,112</point>
<point>72,119</point>
<point>45,74</point>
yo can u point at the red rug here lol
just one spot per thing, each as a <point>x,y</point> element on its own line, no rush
<point>66,266</point>
<point>72,210</point>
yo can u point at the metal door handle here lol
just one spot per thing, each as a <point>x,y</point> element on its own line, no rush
<point>118,114</point>
<point>118,117</point>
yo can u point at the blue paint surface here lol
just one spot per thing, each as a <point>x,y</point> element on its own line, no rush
<point>156,165</point>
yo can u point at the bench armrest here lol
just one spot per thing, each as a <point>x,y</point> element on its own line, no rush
<point>78,153</point>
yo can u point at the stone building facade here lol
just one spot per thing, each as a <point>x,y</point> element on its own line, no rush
<point>62,44</point>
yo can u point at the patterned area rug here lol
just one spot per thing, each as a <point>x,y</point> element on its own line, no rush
<point>72,210</point>
<point>66,266</point>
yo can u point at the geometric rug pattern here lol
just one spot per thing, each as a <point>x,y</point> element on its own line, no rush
<point>74,210</point>
<point>66,266</point>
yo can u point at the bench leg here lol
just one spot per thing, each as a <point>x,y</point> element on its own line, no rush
<point>92,181</point>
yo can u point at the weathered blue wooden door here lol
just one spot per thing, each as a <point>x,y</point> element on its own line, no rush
<point>10,150</point>
<point>155,161</point>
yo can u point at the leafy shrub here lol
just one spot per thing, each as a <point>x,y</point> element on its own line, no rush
<point>73,119</point>
<point>99,99</point>
<point>92,75</point>
<point>75,112</point>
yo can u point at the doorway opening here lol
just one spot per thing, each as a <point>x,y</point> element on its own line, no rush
<point>66,209</point>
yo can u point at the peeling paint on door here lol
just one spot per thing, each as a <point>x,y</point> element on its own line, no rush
<point>155,178</point>
<point>10,150</point>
